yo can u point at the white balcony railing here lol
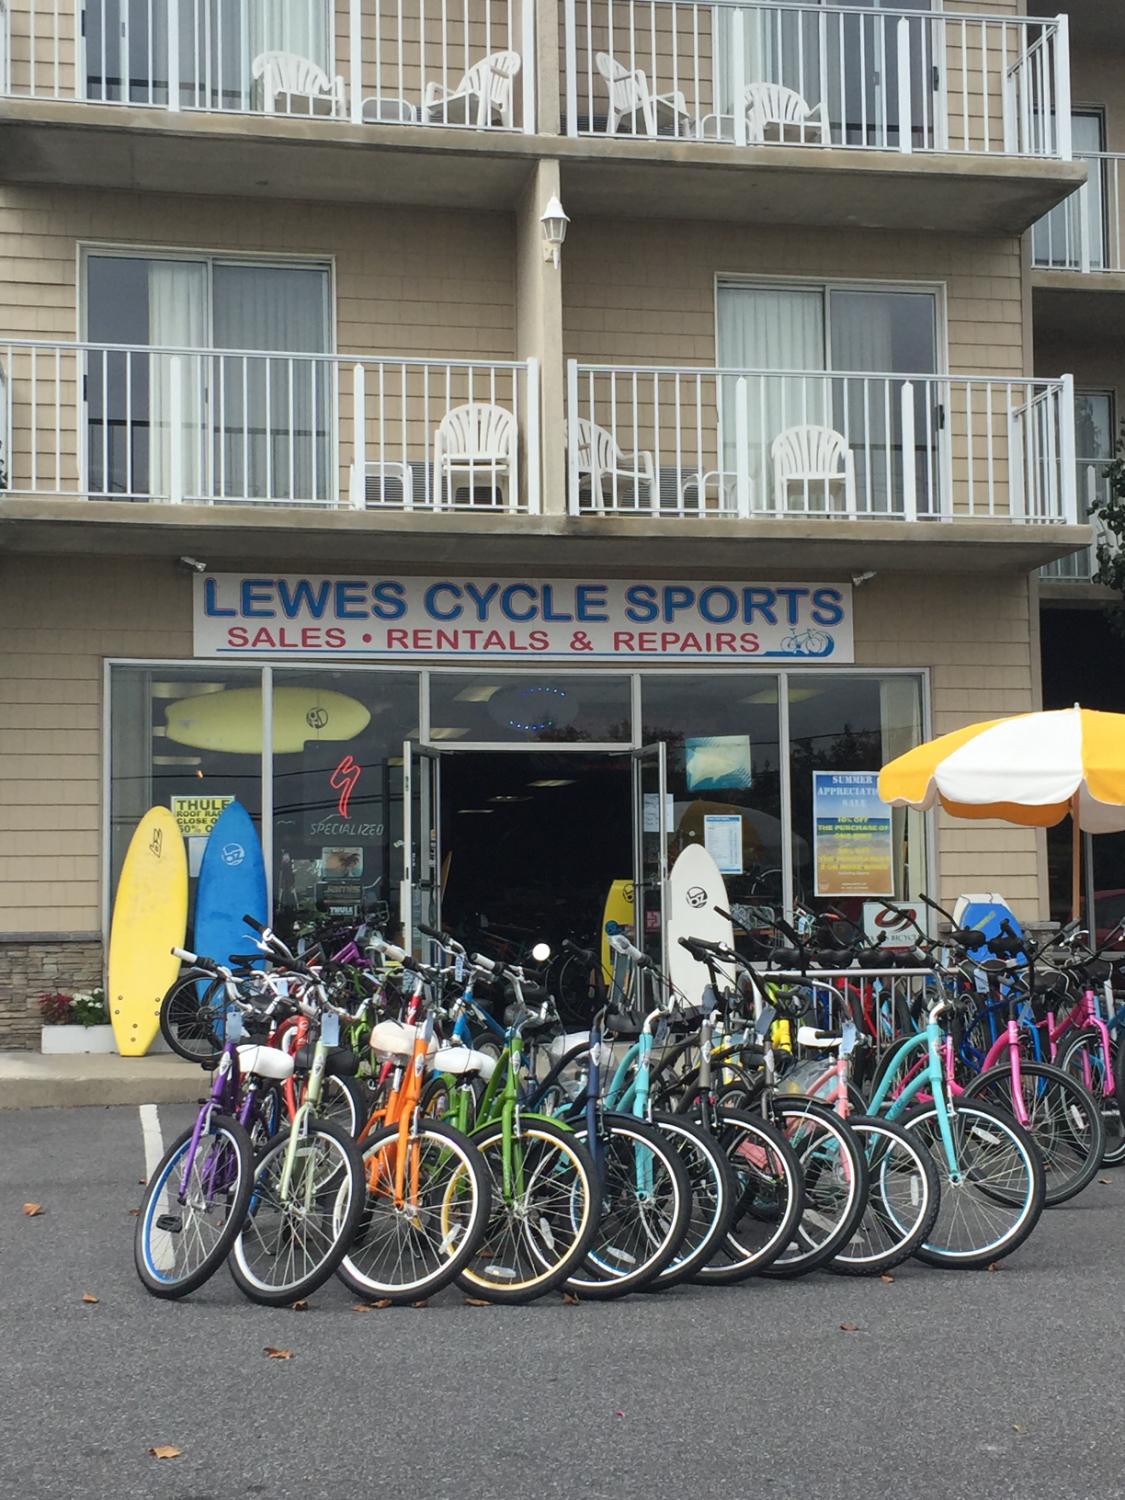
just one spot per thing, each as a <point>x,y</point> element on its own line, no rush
<point>113,422</point>
<point>1086,232</point>
<point>1092,487</point>
<point>666,442</point>
<point>461,62</point>
<point>755,72</point>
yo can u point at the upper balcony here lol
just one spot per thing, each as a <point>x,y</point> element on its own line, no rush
<point>755,109</point>
<point>320,451</point>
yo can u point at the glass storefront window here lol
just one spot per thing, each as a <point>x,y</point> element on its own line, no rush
<point>337,792</point>
<point>721,731</point>
<point>845,725</point>
<point>524,708</point>
<point>184,737</point>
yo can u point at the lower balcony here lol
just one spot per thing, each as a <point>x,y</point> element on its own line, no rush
<point>1080,567</point>
<point>268,430</point>
<point>663,443</point>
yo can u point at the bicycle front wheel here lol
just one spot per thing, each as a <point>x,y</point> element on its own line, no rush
<point>1062,1117</point>
<point>193,1018</point>
<point>993,1198</point>
<point>903,1199</point>
<point>544,1211</point>
<point>645,1202</point>
<point>834,1169</point>
<point>768,1200</point>
<point>411,1244</point>
<point>712,1197</point>
<point>1083,1058</point>
<point>304,1211</point>
<point>193,1208</point>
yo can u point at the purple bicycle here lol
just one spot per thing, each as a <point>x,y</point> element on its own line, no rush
<point>196,1201</point>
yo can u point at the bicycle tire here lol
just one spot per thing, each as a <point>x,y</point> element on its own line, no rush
<point>768,1201</point>
<point>1066,1124</point>
<point>993,1127</point>
<point>340,1192</point>
<point>152,1241</point>
<point>469,1180</point>
<point>890,1230</point>
<point>713,1194</point>
<point>1081,1056</point>
<point>573,1210</point>
<point>641,1226</point>
<point>834,1166</point>
<point>189,1023</point>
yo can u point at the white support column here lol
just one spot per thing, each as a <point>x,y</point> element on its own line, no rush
<point>534,459</point>
<point>529,70</point>
<point>1062,89</point>
<point>905,103</point>
<point>909,475</point>
<point>738,74</point>
<point>570,44</point>
<point>572,436</point>
<point>1084,227</point>
<point>173,55</point>
<point>355,51</point>
<point>175,429</point>
<point>358,484</point>
<point>1068,462</point>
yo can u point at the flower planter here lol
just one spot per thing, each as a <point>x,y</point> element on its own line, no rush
<point>58,1039</point>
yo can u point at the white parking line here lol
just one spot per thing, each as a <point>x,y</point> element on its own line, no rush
<point>163,1253</point>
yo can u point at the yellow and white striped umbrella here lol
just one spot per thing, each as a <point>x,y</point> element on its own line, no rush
<point>1032,769</point>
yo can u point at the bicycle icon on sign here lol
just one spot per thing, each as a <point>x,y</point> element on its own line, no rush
<point>810,642</point>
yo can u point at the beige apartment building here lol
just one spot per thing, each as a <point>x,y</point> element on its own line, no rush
<point>502,442</point>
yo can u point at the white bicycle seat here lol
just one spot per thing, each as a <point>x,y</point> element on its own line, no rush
<point>464,1060</point>
<point>393,1039</point>
<point>809,1036</point>
<point>266,1062</point>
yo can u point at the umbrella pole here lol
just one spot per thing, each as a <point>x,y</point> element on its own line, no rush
<point>1076,860</point>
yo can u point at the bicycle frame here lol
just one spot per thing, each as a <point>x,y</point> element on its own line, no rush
<point>932,1078</point>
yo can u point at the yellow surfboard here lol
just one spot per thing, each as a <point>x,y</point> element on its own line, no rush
<point>619,910</point>
<point>149,919</point>
<point>231,721</point>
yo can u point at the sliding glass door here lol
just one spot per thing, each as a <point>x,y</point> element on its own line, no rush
<point>832,358</point>
<point>167,422</point>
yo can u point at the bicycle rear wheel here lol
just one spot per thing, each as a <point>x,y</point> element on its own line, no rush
<point>997,1196</point>
<point>297,1232</point>
<point>544,1211</point>
<point>1082,1057</point>
<point>712,1197</point>
<point>768,1198</point>
<point>834,1168</point>
<point>411,1249</point>
<point>645,1203</point>
<point>903,1199</point>
<point>1062,1117</point>
<point>182,1240</point>
<point>193,1023</point>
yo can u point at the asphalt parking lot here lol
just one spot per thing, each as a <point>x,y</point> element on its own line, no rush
<point>960,1384</point>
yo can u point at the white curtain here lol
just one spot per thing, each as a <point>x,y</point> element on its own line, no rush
<point>764,329</point>
<point>275,414</point>
<point>900,715</point>
<point>177,320</point>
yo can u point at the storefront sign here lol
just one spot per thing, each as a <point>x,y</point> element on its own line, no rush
<point>198,815</point>
<point>505,619</point>
<point>852,832</point>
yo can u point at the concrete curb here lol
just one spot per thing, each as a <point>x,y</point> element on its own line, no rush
<point>28,1080</point>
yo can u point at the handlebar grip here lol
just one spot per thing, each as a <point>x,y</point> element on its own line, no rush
<point>586,954</point>
<point>254,923</point>
<point>621,944</point>
<point>245,959</point>
<point>193,959</point>
<point>388,950</point>
<point>433,932</point>
<point>489,965</point>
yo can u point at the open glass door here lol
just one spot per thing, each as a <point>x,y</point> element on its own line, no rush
<point>651,832</point>
<point>421,842</point>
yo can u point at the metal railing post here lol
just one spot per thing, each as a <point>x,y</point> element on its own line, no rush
<point>738,74</point>
<point>570,49</point>
<point>529,71</point>
<point>355,50</point>
<point>175,430</point>
<point>1063,131</point>
<point>905,102</point>
<point>572,435</point>
<point>173,56</point>
<point>1068,461</point>
<point>534,453</point>
<point>357,488</point>
<point>909,476</point>
<point>742,447</point>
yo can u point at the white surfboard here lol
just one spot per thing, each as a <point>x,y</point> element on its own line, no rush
<point>695,888</point>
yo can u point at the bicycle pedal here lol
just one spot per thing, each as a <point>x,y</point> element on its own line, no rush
<point>170,1222</point>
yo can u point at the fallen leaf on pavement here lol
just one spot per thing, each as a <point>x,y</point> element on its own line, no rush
<point>271,1353</point>
<point>384,1302</point>
<point>1017,1428</point>
<point>422,1303</point>
<point>363,1307</point>
<point>477,1302</point>
<point>1104,1181</point>
<point>619,1414</point>
<point>134,1213</point>
<point>165,1450</point>
<point>993,1265</point>
<point>33,1210</point>
<point>849,1327</point>
<point>887,1278</point>
<point>90,1298</point>
<point>570,1300</point>
<point>299,1306</point>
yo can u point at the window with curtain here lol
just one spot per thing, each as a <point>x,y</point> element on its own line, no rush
<point>166,423</point>
<point>805,352</point>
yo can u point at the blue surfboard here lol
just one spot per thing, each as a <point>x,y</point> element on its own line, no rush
<point>232,881</point>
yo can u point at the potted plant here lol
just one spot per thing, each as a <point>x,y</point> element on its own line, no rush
<point>75,1023</point>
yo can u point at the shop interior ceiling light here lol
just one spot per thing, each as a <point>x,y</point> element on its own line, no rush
<point>449,733</point>
<point>554,781</point>
<point>505,797</point>
<point>177,760</point>
<point>465,811</point>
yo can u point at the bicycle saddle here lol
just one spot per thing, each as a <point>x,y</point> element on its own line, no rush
<point>785,958</point>
<point>623,1025</point>
<point>834,958</point>
<point>341,1062</point>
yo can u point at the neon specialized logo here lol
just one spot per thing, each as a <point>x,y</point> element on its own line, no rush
<point>232,854</point>
<point>343,780</point>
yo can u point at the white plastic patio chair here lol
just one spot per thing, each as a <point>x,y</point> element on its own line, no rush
<point>610,469</point>
<point>477,442</point>
<point>816,459</point>
<point>771,106</point>
<point>483,97</point>
<point>630,97</point>
<point>288,76</point>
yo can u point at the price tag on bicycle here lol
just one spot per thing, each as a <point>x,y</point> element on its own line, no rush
<point>459,968</point>
<point>765,1021</point>
<point>330,1029</point>
<point>849,1036</point>
<point>235,1029</point>
<point>660,1032</point>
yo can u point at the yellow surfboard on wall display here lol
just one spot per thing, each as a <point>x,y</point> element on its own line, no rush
<point>149,919</point>
<point>619,912</point>
<point>231,721</point>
